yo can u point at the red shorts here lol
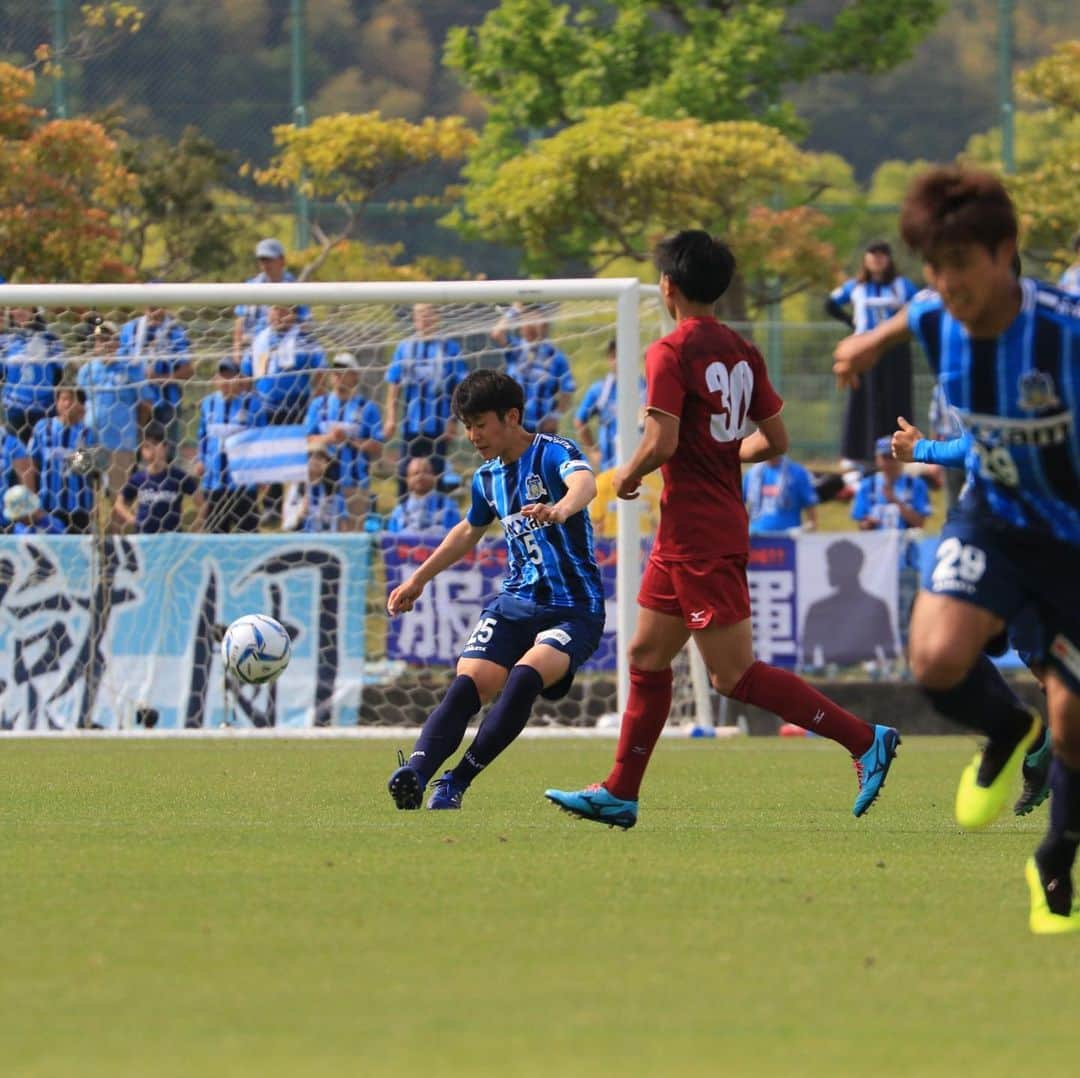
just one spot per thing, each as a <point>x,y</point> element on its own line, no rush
<point>702,593</point>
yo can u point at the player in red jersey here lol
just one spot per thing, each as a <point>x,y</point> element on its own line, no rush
<point>707,390</point>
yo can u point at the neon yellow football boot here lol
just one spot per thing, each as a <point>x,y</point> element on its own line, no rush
<point>990,779</point>
<point>1043,921</point>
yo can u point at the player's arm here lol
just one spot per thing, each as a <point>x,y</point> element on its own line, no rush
<point>768,441</point>
<point>580,491</point>
<point>861,351</point>
<point>459,541</point>
<point>659,440</point>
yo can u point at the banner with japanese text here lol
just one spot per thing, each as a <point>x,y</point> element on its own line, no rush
<point>125,630</point>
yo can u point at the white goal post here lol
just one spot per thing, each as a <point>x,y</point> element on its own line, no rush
<point>627,296</point>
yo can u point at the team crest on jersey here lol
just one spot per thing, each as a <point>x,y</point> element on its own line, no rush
<point>534,488</point>
<point>1037,392</point>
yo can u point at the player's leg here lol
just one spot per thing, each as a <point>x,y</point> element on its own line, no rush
<point>1049,873</point>
<point>1025,635</point>
<point>948,636</point>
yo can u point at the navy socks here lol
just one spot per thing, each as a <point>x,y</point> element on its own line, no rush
<point>983,701</point>
<point>445,727</point>
<point>1056,854</point>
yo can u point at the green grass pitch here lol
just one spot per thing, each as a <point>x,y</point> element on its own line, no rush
<point>261,909</point>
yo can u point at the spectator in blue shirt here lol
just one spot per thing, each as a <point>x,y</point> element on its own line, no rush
<point>324,506</point>
<point>423,509</point>
<point>23,512</point>
<point>281,363</point>
<point>888,498</point>
<point>114,408</point>
<point>158,342</point>
<point>15,466</point>
<point>152,499</point>
<point>65,494</point>
<point>349,427</point>
<point>1070,279</point>
<point>777,492</point>
<point>33,364</point>
<point>231,409</point>
<point>252,318</point>
<point>600,402</point>
<point>875,294</point>
<point>423,373</point>
<point>540,369</point>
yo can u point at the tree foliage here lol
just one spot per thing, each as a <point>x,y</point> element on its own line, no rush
<point>607,187</point>
<point>61,184</point>
<point>350,159</point>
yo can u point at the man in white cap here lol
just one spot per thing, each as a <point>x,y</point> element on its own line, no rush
<point>250,318</point>
<point>22,510</point>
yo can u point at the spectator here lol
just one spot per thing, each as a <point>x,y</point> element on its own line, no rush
<point>65,494</point>
<point>152,499</point>
<point>157,341</point>
<point>423,509</point>
<point>251,319</point>
<point>600,402</point>
<point>776,493</point>
<point>604,508</point>
<point>22,509</point>
<point>888,498</point>
<point>349,427</point>
<point>1070,279</point>
<point>325,509</point>
<point>425,369</point>
<point>33,364</point>
<point>876,293</point>
<point>229,410</point>
<point>541,370</point>
<point>281,362</point>
<point>115,411</point>
<point>16,468</point>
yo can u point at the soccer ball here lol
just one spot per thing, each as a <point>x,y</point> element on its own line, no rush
<point>256,648</point>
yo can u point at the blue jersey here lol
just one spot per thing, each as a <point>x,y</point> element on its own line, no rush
<point>871,504</point>
<point>325,511</point>
<point>872,302</point>
<point>11,450</point>
<point>949,454</point>
<point>550,565</point>
<point>218,418</point>
<point>424,513</point>
<point>161,347</point>
<point>360,419</point>
<point>33,363</point>
<point>257,316</point>
<point>776,496</point>
<point>428,372</point>
<point>1070,280</point>
<point>43,525</point>
<point>51,444</point>
<point>1018,396</point>
<point>282,365</point>
<point>159,498</point>
<point>543,372</point>
<point>112,399</point>
<point>600,401</point>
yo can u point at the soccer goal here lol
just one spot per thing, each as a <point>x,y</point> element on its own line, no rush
<point>118,629</point>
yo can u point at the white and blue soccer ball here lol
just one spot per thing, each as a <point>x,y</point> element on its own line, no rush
<point>256,648</point>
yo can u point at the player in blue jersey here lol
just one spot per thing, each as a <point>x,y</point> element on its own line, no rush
<point>1006,351</point>
<point>549,616</point>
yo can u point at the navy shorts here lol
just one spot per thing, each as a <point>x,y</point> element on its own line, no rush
<point>1028,580</point>
<point>508,627</point>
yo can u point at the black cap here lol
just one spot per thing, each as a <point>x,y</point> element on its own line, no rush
<point>879,247</point>
<point>228,366</point>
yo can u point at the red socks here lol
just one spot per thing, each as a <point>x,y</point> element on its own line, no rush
<point>789,697</point>
<point>646,712</point>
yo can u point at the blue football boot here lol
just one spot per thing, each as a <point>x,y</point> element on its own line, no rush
<point>597,804</point>
<point>872,767</point>
<point>446,793</point>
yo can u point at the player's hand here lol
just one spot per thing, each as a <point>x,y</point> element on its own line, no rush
<point>544,513</point>
<point>903,441</point>
<point>403,597</point>
<point>625,487</point>
<point>851,357</point>
<point>338,435</point>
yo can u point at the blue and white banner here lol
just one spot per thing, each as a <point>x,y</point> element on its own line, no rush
<point>137,634</point>
<point>268,455</point>
<point>816,599</point>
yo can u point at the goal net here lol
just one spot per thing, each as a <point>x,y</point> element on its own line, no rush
<point>199,452</point>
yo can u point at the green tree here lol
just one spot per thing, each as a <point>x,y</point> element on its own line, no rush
<point>348,160</point>
<point>607,187</point>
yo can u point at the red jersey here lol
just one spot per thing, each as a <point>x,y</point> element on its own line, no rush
<point>716,384</point>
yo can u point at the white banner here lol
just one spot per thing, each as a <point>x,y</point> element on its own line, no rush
<point>129,631</point>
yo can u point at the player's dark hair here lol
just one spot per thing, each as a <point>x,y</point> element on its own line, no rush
<point>699,266</point>
<point>487,391</point>
<point>952,204</point>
